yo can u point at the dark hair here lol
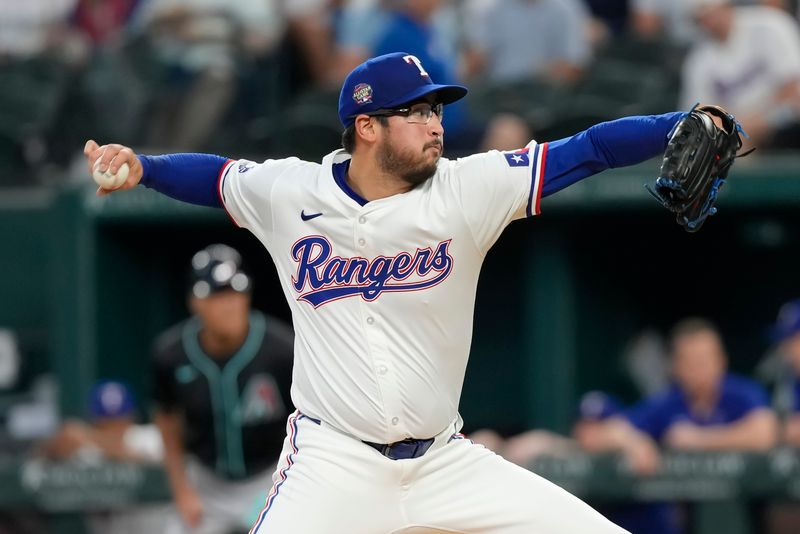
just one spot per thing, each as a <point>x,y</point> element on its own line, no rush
<point>689,327</point>
<point>349,138</point>
<point>349,134</point>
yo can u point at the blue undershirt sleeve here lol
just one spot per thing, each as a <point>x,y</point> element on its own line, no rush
<point>604,146</point>
<point>187,177</point>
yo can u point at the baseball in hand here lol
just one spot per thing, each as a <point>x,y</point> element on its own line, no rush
<point>109,181</point>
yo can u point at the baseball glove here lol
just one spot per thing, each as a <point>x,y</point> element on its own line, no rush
<point>696,162</point>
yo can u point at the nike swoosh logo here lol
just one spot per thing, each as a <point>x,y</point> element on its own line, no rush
<point>310,216</point>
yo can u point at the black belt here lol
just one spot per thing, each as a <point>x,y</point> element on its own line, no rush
<point>399,450</point>
<point>402,450</point>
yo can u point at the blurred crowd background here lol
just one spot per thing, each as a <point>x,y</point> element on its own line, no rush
<point>260,78</point>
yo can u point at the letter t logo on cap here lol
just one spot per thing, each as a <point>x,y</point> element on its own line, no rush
<point>415,60</point>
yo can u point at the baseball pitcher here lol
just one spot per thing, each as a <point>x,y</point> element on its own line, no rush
<point>378,249</point>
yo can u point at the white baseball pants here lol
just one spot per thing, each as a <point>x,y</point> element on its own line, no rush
<point>329,483</point>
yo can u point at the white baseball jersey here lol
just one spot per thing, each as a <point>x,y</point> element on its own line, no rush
<point>382,292</point>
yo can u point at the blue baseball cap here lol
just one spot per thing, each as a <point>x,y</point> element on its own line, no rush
<point>387,82</point>
<point>110,398</point>
<point>788,321</point>
<point>597,405</point>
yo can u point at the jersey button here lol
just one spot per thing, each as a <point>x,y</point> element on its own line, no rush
<point>362,220</point>
<point>362,241</point>
<point>382,369</point>
<point>395,420</point>
<point>370,320</point>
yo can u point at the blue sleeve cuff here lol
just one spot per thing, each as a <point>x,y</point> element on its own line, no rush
<point>187,177</point>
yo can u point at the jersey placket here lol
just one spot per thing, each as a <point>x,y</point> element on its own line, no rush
<point>224,392</point>
<point>372,326</point>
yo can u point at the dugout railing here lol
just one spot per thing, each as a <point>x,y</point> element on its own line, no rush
<point>719,486</point>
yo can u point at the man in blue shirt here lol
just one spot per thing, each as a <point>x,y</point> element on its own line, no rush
<point>706,408</point>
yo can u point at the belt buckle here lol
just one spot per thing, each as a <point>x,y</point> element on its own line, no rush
<point>407,449</point>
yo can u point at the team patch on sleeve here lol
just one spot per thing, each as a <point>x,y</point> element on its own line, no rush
<point>518,158</point>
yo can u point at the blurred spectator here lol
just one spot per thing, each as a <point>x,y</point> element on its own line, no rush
<point>784,517</point>
<point>222,398</point>
<point>39,55</point>
<point>514,40</point>
<point>674,19</point>
<point>111,434</point>
<point>664,19</point>
<point>782,367</point>
<point>786,332</point>
<point>33,28</point>
<point>311,25</point>
<point>103,21</point>
<point>356,32</point>
<point>522,449</point>
<point>362,24</point>
<point>751,65</point>
<point>505,131</point>
<point>594,408</point>
<point>707,408</point>
<point>409,27</point>
<point>611,13</point>
<point>199,45</point>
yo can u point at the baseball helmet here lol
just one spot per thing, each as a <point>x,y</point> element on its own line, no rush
<point>217,268</point>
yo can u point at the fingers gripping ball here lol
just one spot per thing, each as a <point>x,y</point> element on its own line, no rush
<point>109,181</point>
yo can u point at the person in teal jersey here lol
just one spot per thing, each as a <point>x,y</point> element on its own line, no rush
<point>221,390</point>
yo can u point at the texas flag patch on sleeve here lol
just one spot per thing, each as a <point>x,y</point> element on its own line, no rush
<point>518,158</point>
